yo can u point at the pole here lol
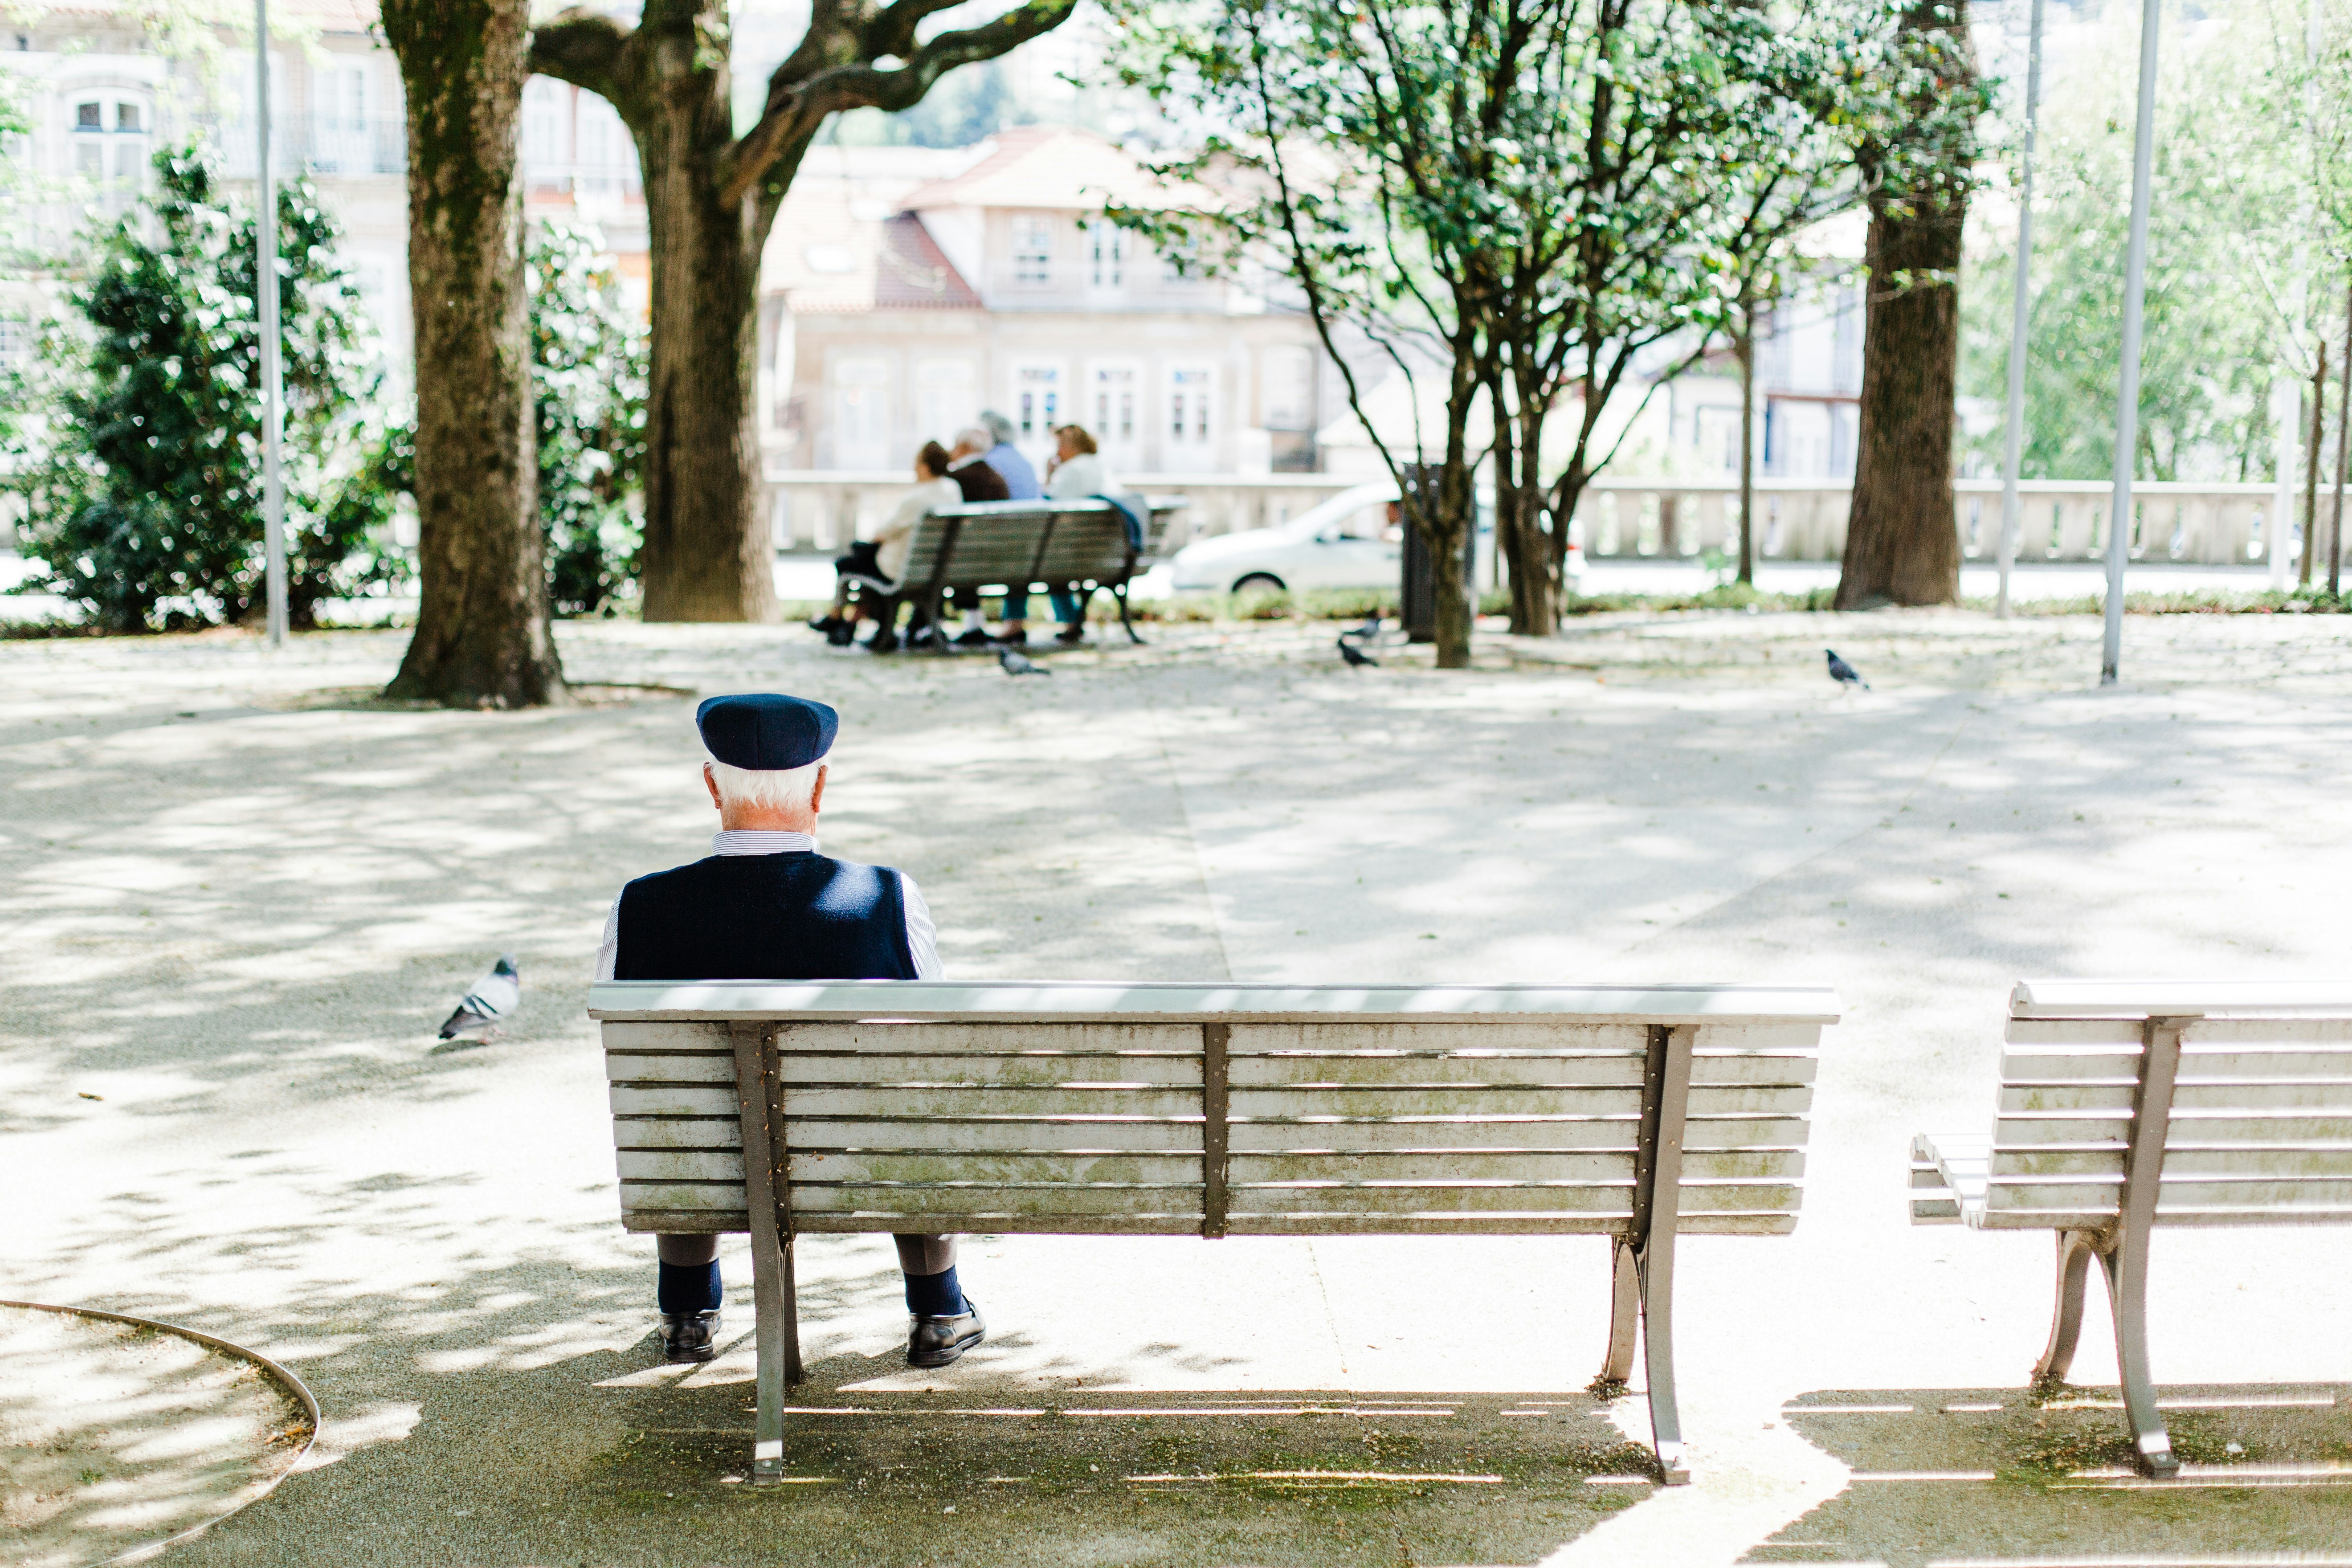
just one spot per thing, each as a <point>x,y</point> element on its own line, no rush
<point>265,229</point>
<point>2127,376</point>
<point>2310,550</point>
<point>2007,554</point>
<point>2343,419</point>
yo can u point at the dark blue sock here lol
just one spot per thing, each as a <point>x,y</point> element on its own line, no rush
<point>935,1295</point>
<point>688,1288</point>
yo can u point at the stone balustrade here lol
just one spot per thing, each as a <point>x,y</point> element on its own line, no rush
<point>1802,520</point>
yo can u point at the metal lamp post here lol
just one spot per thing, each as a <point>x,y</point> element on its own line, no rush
<point>2014,442</point>
<point>273,487</point>
<point>2127,378</point>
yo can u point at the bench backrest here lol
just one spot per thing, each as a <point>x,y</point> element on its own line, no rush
<point>2258,1114</point>
<point>1221,1110</point>
<point>991,544</point>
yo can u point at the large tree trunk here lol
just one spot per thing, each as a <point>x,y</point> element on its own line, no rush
<point>706,557</point>
<point>1518,515</point>
<point>482,637</point>
<point>1902,545</point>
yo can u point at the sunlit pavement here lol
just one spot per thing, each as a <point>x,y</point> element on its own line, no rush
<point>239,896</point>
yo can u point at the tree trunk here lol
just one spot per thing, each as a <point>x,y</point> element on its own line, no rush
<point>707,556</point>
<point>482,637</point>
<point>1518,515</point>
<point>2310,550</point>
<point>1902,542</point>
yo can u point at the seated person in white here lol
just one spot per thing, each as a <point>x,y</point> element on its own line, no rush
<point>1076,473</point>
<point>881,558</point>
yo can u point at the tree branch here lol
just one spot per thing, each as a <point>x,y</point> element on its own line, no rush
<point>584,50</point>
<point>800,107</point>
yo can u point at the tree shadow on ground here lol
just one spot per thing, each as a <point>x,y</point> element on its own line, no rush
<point>1993,1474</point>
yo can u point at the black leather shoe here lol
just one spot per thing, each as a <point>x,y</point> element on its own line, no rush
<point>1074,634</point>
<point>841,633</point>
<point>823,623</point>
<point>1010,639</point>
<point>690,1336</point>
<point>974,637</point>
<point>936,1342</point>
<point>882,642</point>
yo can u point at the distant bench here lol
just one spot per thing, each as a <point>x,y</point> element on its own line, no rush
<point>1212,1111</point>
<point>1018,548</point>
<point>2126,1105</point>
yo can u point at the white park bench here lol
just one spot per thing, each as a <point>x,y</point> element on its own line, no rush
<point>1212,1111</point>
<point>2130,1104</point>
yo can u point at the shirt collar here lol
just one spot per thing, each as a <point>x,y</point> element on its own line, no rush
<point>762,841</point>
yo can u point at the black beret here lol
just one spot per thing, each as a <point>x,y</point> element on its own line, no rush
<point>766,732</point>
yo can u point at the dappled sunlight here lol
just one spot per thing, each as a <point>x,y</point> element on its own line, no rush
<point>231,936</point>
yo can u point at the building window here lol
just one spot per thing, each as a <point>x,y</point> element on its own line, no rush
<point>1107,248</point>
<point>1032,250</point>
<point>1188,408</point>
<point>87,117</point>
<point>1036,401</point>
<point>126,117</point>
<point>1114,407</point>
<point>1287,387</point>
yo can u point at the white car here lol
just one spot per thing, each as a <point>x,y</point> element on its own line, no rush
<point>1352,541</point>
<point>1347,541</point>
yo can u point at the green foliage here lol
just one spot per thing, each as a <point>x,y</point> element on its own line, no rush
<point>2214,280</point>
<point>589,375</point>
<point>146,504</point>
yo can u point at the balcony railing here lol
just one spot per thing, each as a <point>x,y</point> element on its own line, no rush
<point>1799,520</point>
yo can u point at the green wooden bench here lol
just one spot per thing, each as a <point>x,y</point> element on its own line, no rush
<point>2125,1105</point>
<point>1213,1111</point>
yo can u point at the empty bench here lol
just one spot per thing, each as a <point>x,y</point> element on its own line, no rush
<point>2126,1105</point>
<point>1212,1111</point>
<point>1017,548</point>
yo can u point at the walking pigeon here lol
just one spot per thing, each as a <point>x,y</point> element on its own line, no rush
<point>1357,657</point>
<point>494,996</point>
<point>1843,673</point>
<point>1017,663</point>
<point>1369,632</point>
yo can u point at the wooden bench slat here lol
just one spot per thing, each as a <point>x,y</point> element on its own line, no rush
<point>684,1166</point>
<point>1253,1104</point>
<point>665,1034</point>
<point>995,1102</point>
<point>1759,1165</point>
<point>929,1038</point>
<point>677,1132</point>
<point>1481,1068</point>
<point>1418,1197</point>
<point>685,1222</point>
<point>1343,1035</point>
<point>682,1194</point>
<point>851,1223</point>
<point>1435,1133</point>
<point>1523,1224</point>
<point>2250,1160</point>
<point>672,1100</point>
<point>1016,1169</point>
<point>677,1067</point>
<point>1108,1134</point>
<point>801,1070</point>
<point>975,1202</point>
<point>2225,1096</point>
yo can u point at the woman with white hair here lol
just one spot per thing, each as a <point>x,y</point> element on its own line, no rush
<point>1076,473</point>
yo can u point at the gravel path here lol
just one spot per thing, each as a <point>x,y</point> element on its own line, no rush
<point>240,894</point>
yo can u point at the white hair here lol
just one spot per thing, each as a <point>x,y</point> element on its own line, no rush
<point>762,789</point>
<point>976,437</point>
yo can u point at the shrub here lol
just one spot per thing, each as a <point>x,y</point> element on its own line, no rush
<point>145,504</point>
<point>589,375</point>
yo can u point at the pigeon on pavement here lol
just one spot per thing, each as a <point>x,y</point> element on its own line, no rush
<point>1369,632</point>
<point>1357,657</point>
<point>1017,663</point>
<point>1843,673</point>
<point>494,996</point>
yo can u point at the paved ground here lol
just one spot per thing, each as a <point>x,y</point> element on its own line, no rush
<point>238,895</point>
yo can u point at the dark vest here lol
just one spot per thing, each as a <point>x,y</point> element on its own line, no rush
<point>765,917</point>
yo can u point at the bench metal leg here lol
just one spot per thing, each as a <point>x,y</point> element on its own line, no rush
<point>2075,1250</point>
<point>1657,1207</point>
<point>1133,636</point>
<point>775,1311</point>
<point>2126,1270</point>
<point>1624,1310</point>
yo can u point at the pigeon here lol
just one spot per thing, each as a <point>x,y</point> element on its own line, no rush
<point>1369,632</point>
<point>1357,657</point>
<point>494,996</point>
<point>1018,663</point>
<point>1843,673</point>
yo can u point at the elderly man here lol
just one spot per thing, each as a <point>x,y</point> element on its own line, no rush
<point>766,906</point>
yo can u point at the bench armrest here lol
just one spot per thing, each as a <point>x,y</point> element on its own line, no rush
<point>1948,1172</point>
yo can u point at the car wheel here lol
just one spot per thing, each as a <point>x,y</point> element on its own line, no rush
<point>1259,582</point>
